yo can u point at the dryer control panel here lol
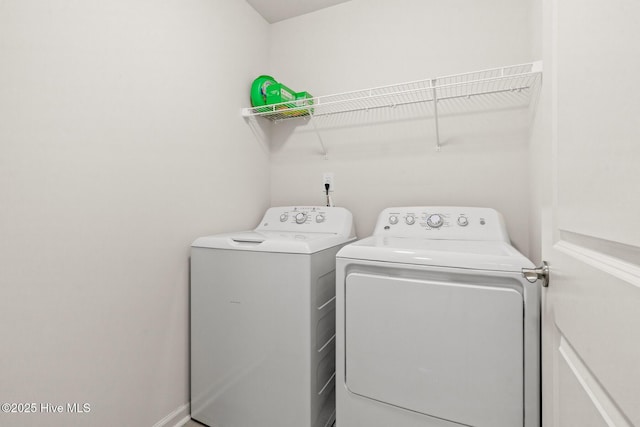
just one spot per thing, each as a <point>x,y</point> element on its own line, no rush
<point>308,219</point>
<point>442,223</point>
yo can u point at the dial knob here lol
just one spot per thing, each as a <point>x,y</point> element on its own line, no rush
<point>393,219</point>
<point>435,221</point>
<point>320,218</point>
<point>284,217</point>
<point>463,221</point>
<point>301,217</point>
<point>410,220</point>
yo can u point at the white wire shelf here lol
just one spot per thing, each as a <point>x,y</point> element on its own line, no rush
<point>514,84</point>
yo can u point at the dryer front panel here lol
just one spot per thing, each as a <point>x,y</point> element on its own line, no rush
<point>444,349</point>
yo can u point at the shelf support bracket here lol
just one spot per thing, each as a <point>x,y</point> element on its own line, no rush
<point>315,128</point>
<point>435,113</point>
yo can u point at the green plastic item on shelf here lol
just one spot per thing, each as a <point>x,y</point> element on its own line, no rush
<point>280,94</point>
<point>304,99</point>
<point>277,93</point>
<point>259,89</point>
<point>265,91</point>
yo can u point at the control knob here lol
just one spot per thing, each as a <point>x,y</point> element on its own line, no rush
<point>463,221</point>
<point>393,220</point>
<point>435,221</point>
<point>301,217</point>
<point>320,218</point>
<point>410,220</point>
<point>284,217</point>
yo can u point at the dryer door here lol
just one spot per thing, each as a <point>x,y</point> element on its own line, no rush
<point>449,350</point>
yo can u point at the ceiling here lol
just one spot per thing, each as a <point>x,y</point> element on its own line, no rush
<point>278,10</point>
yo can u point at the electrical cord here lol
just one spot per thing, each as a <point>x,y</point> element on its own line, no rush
<point>326,189</point>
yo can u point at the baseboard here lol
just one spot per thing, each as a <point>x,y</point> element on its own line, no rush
<point>177,418</point>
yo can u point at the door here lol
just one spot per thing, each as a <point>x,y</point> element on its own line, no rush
<point>448,349</point>
<point>591,236</point>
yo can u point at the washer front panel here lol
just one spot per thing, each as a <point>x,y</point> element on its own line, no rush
<point>449,350</point>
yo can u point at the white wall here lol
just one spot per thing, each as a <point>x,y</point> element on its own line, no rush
<point>120,142</point>
<point>365,43</point>
<point>541,133</point>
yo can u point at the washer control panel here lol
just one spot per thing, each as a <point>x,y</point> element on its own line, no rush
<point>442,222</point>
<point>313,219</point>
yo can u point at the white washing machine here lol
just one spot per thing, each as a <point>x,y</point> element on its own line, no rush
<point>263,320</point>
<point>436,325</point>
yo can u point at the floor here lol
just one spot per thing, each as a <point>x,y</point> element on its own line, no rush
<point>192,423</point>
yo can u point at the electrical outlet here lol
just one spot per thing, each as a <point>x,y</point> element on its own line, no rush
<point>327,178</point>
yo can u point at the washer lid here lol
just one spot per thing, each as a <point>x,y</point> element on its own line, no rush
<point>470,254</point>
<point>272,241</point>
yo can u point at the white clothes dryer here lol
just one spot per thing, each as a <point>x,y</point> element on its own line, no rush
<point>436,325</point>
<point>263,320</point>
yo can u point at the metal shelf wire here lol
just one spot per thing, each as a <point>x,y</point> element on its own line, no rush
<point>513,86</point>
